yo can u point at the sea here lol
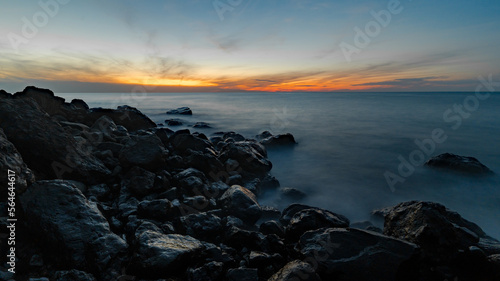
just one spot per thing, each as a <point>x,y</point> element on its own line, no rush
<point>356,152</point>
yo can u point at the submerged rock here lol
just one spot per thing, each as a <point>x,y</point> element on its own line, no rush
<point>181,111</point>
<point>463,164</point>
<point>173,122</point>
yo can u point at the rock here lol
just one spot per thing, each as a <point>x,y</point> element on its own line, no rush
<point>462,164</point>
<point>181,111</point>
<point>45,146</point>
<point>440,232</point>
<point>202,125</point>
<point>71,227</point>
<point>263,135</point>
<point>279,140</point>
<point>73,275</point>
<point>296,270</point>
<point>312,219</point>
<point>182,142</point>
<point>160,256</point>
<point>242,274</point>
<point>10,159</point>
<point>250,156</point>
<point>36,260</point>
<point>203,226</point>
<point>106,126</point>
<point>139,181</point>
<point>489,245</point>
<point>239,202</point>
<point>211,271</point>
<point>290,193</point>
<point>206,162</point>
<point>100,191</point>
<point>78,103</point>
<point>129,117</point>
<point>354,254</point>
<point>159,209</point>
<point>173,122</point>
<point>232,137</point>
<point>144,151</point>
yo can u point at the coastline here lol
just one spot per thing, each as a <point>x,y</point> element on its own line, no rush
<point>153,203</point>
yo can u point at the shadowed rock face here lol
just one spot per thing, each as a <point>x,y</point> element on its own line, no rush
<point>296,270</point>
<point>457,163</point>
<point>354,254</point>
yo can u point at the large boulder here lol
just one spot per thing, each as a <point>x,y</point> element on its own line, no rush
<point>240,202</point>
<point>251,156</point>
<point>279,140</point>
<point>347,254</point>
<point>129,117</point>
<point>181,111</point>
<point>296,270</point>
<point>461,164</point>
<point>312,219</point>
<point>45,146</point>
<point>440,232</point>
<point>71,228</point>
<point>145,151</point>
<point>183,141</point>
<point>159,256</point>
<point>10,159</point>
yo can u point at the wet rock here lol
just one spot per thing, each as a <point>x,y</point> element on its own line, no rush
<point>70,226</point>
<point>182,142</point>
<point>250,156</point>
<point>159,209</point>
<point>173,122</point>
<point>240,202</point>
<point>181,111</point>
<point>290,193</point>
<point>242,274</point>
<point>440,232</point>
<point>73,275</point>
<point>272,227</point>
<point>279,140</point>
<point>201,125</point>
<point>206,162</point>
<point>263,135</point>
<point>45,146</point>
<point>211,271</point>
<point>462,164</point>
<point>203,226</point>
<point>353,254</point>
<point>10,159</point>
<point>144,151</point>
<point>296,270</point>
<point>139,181</point>
<point>158,255</point>
<point>312,219</point>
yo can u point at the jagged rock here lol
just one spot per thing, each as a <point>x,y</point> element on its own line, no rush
<point>45,146</point>
<point>159,255</point>
<point>353,254</point>
<point>71,227</point>
<point>263,135</point>
<point>73,275</point>
<point>159,209</point>
<point>10,159</point>
<point>129,117</point>
<point>80,104</point>
<point>203,226</point>
<point>296,270</point>
<point>312,219</point>
<point>462,164</point>
<point>106,126</point>
<point>139,181</point>
<point>279,140</point>
<point>181,111</point>
<point>439,231</point>
<point>144,151</point>
<point>212,271</point>
<point>250,156</point>
<point>182,142</point>
<point>272,227</point>
<point>242,274</point>
<point>240,202</point>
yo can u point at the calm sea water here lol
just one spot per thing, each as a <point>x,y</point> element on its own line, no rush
<point>347,141</point>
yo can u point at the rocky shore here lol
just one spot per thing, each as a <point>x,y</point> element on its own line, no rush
<point>105,194</point>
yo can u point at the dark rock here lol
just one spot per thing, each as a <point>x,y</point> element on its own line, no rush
<point>462,164</point>
<point>139,181</point>
<point>206,162</point>
<point>312,219</point>
<point>290,193</point>
<point>173,122</point>
<point>272,227</point>
<point>100,191</point>
<point>263,135</point>
<point>129,117</point>
<point>114,147</point>
<point>78,103</point>
<point>242,274</point>
<point>106,126</point>
<point>10,159</point>
<point>202,125</point>
<point>296,270</point>
<point>202,226</point>
<point>181,111</point>
<point>73,275</point>
<point>144,151</point>
<point>241,203</point>
<point>279,140</point>
<point>212,271</point>
<point>353,254</point>
<point>159,209</point>
<point>159,255</point>
<point>489,245</point>
<point>438,231</point>
<point>182,142</point>
<point>233,137</point>
<point>251,157</point>
<point>72,228</point>
<point>45,145</point>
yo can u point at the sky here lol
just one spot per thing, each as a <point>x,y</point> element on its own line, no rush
<point>248,45</point>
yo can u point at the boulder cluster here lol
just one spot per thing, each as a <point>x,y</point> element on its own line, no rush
<point>105,194</point>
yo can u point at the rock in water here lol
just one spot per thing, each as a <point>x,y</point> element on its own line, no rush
<point>462,164</point>
<point>45,146</point>
<point>296,270</point>
<point>69,225</point>
<point>312,219</point>
<point>251,156</point>
<point>181,111</point>
<point>279,140</point>
<point>354,254</point>
<point>10,159</point>
<point>240,202</point>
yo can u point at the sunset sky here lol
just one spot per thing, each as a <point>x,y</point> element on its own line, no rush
<point>247,45</point>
